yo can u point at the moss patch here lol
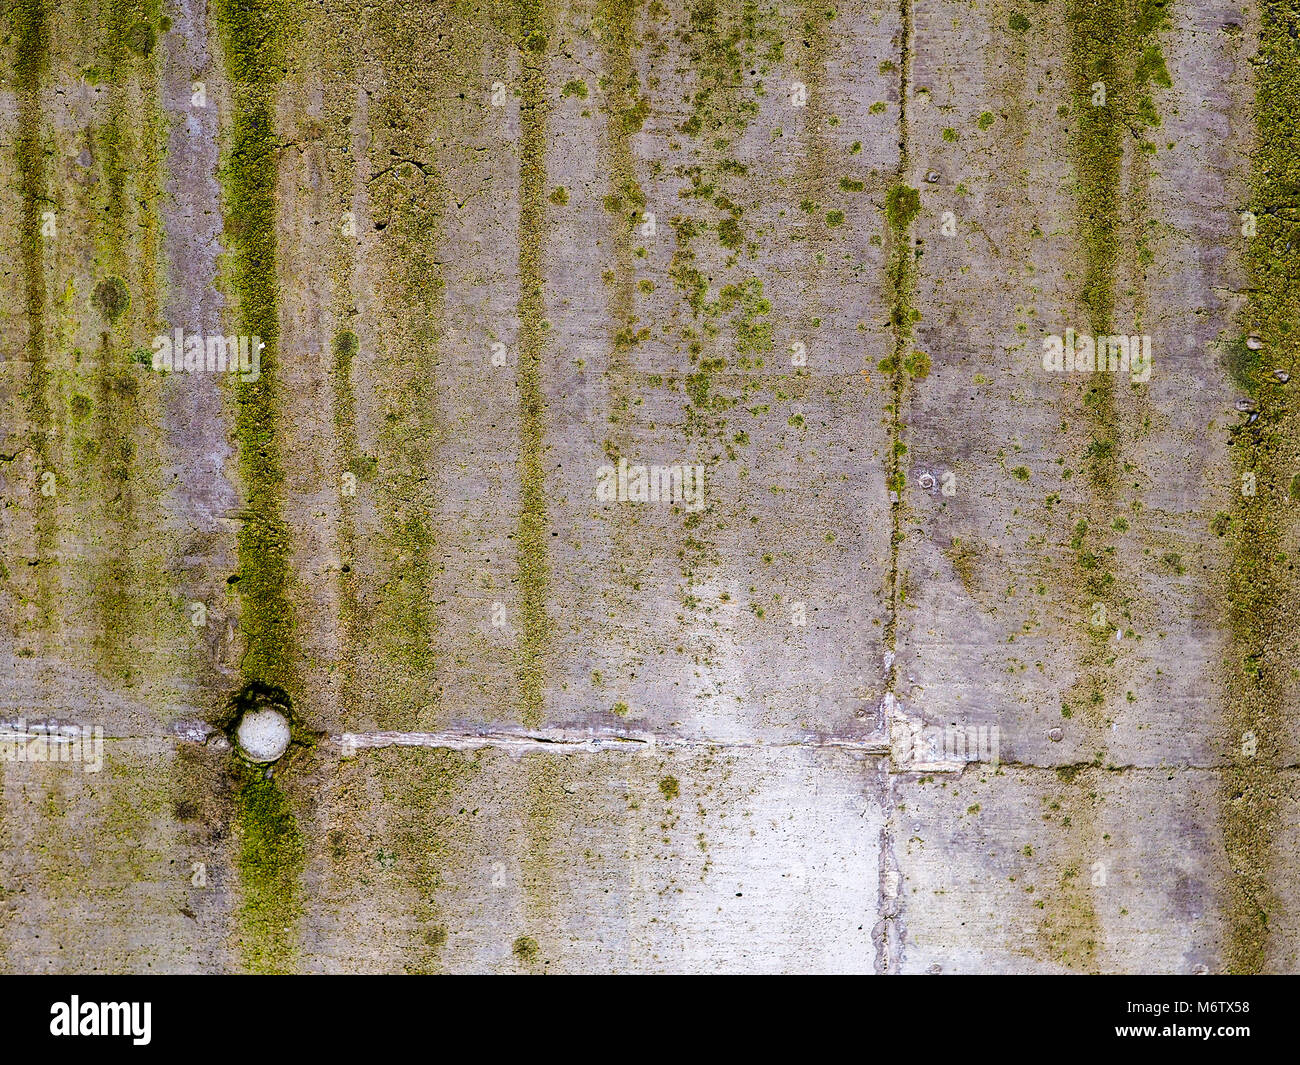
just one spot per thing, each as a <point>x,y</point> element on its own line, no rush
<point>270,860</point>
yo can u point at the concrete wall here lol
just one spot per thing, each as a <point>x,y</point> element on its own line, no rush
<point>809,251</point>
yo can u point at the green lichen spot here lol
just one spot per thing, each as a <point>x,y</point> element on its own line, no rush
<point>917,365</point>
<point>111,298</point>
<point>670,788</point>
<point>525,948</point>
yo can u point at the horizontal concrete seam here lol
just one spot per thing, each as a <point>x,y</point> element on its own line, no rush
<point>594,741</point>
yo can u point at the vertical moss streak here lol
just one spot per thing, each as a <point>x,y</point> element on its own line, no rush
<point>1262,609</point>
<point>534,108</point>
<point>902,204</point>
<point>1104,49</point>
<point>31,61</point>
<point>254,39</point>
<point>128,153</point>
<point>270,860</point>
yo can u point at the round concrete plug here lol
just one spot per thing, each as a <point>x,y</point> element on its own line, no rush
<point>263,735</point>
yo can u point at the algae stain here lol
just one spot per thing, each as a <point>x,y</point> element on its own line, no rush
<point>6,843</point>
<point>253,36</point>
<point>346,346</point>
<point>731,48</point>
<point>533,30</point>
<point>410,198</point>
<point>544,805</point>
<point>813,178</point>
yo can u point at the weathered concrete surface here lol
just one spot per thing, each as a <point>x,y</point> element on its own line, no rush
<point>541,732</point>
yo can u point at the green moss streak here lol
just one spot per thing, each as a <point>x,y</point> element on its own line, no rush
<point>31,60</point>
<point>1261,593</point>
<point>407,621</point>
<point>1006,65</point>
<point>346,346</point>
<point>270,862</point>
<point>6,843</point>
<point>534,26</point>
<point>902,205</point>
<point>1103,43</point>
<point>410,199</point>
<point>1104,39</point>
<point>254,39</point>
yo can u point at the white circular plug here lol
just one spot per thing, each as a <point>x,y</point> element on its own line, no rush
<point>263,735</point>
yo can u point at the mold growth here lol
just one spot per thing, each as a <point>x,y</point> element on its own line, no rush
<point>346,347</point>
<point>532,36</point>
<point>429,841</point>
<point>271,852</point>
<point>624,109</point>
<point>1262,609</point>
<point>902,205</point>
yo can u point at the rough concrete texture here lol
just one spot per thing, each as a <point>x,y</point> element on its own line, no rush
<point>811,250</point>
